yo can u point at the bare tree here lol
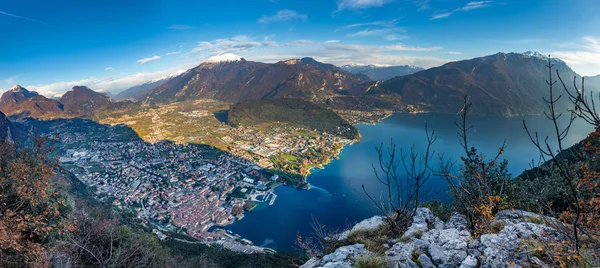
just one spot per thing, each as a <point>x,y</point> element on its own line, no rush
<point>403,178</point>
<point>481,182</point>
<point>579,222</point>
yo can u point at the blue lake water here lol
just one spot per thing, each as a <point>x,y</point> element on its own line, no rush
<point>337,198</point>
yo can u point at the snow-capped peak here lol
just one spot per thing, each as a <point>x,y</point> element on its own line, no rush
<point>16,88</point>
<point>228,57</point>
<point>535,54</point>
<point>166,77</point>
<point>352,65</point>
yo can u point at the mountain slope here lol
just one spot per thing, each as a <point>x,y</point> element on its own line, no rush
<point>5,130</point>
<point>381,73</point>
<point>139,92</point>
<point>500,84</point>
<point>295,112</point>
<point>82,101</point>
<point>592,83</point>
<point>22,102</point>
<point>237,80</point>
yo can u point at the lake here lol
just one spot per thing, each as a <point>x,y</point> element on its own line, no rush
<point>337,199</point>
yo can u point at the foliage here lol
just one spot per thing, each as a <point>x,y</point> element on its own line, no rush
<point>291,111</point>
<point>577,174</point>
<point>484,213</point>
<point>30,209</point>
<point>440,209</point>
<point>480,190</point>
<point>371,261</point>
<point>97,239</point>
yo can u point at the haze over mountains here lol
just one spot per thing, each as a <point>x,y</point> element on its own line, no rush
<point>139,91</point>
<point>380,73</point>
<point>503,84</point>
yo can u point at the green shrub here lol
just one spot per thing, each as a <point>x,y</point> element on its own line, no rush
<point>497,226</point>
<point>371,261</point>
<point>439,209</point>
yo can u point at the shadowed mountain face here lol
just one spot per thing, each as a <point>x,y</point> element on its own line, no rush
<point>381,73</point>
<point>592,83</point>
<point>82,101</point>
<point>501,85</point>
<point>5,131</point>
<point>22,102</point>
<point>240,80</point>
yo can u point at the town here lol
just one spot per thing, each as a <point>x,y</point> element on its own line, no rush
<point>172,188</point>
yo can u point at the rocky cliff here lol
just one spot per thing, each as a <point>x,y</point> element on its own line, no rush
<point>430,242</point>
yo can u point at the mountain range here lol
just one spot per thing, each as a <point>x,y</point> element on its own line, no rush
<point>20,101</point>
<point>237,80</point>
<point>80,101</point>
<point>503,84</point>
<point>381,73</point>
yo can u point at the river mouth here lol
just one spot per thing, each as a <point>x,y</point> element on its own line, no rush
<point>336,198</point>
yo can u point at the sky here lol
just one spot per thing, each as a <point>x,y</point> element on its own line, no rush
<point>51,46</point>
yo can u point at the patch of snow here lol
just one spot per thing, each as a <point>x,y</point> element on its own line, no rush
<point>535,54</point>
<point>166,77</point>
<point>228,57</point>
<point>351,65</point>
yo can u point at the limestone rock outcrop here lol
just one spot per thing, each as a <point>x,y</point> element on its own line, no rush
<point>429,242</point>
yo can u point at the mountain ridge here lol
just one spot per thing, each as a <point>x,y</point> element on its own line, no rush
<point>381,72</point>
<point>235,81</point>
<point>502,84</point>
<point>22,102</point>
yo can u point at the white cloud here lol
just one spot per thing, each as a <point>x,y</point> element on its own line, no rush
<point>441,15</point>
<point>386,48</point>
<point>422,4</point>
<point>381,23</point>
<point>360,4</point>
<point>330,51</point>
<point>299,43</point>
<point>172,53</point>
<point>394,37</point>
<point>375,28</point>
<point>340,54</point>
<point>283,15</point>
<point>453,53</point>
<point>468,7</point>
<point>150,59</point>
<point>112,84</point>
<point>180,27</point>
<point>108,68</point>
<point>369,33</point>
<point>236,45</point>
<point>476,5</point>
<point>584,58</point>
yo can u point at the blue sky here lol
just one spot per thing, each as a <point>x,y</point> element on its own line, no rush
<point>51,46</point>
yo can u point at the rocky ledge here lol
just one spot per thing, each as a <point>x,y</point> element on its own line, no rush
<point>430,242</point>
